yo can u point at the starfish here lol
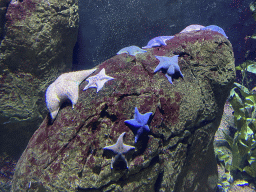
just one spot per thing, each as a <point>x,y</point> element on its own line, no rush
<point>119,150</point>
<point>193,27</point>
<point>132,50</point>
<point>215,28</point>
<point>98,81</point>
<point>64,87</point>
<point>170,65</point>
<point>138,125</point>
<point>157,41</point>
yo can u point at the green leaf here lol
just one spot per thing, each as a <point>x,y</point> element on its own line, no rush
<point>252,68</point>
<point>251,170</point>
<point>239,68</point>
<point>228,139</point>
<point>241,182</point>
<point>253,36</point>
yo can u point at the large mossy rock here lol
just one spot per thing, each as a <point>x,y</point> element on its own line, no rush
<point>37,47</point>
<point>68,156</point>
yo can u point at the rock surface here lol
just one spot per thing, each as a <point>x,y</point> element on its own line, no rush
<point>179,155</point>
<point>36,48</point>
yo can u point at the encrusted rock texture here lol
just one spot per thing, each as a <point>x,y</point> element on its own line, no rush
<point>68,154</point>
<point>36,47</point>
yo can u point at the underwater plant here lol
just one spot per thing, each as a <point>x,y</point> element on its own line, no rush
<point>241,163</point>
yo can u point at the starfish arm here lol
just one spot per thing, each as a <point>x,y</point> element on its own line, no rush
<point>136,138</point>
<point>215,28</point>
<point>132,50</point>
<point>163,64</point>
<point>139,132</point>
<point>72,94</point>
<point>127,148</point>
<point>174,59</point>
<point>151,43</point>
<point>100,84</point>
<point>145,117</point>
<point>169,78</point>
<point>111,147</point>
<point>171,70</point>
<point>177,69</point>
<point>142,131</point>
<point>90,85</point>
<point>133,125</point>
<point>166,38</point>
<point>112,162</point>
<point>181,75</point>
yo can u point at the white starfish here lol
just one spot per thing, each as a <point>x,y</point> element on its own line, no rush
<point>193,27</point>
<point>64,87</point>
<point>119,150</point>
<point>98,81</point>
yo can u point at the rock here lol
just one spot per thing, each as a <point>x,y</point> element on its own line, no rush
<point>37,47</point>
<point>178,156</point>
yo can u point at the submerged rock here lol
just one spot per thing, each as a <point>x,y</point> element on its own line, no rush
<point>36,48</point>
<point>178,155</point>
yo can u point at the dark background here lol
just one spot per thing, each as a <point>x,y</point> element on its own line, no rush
<point>106,26</point>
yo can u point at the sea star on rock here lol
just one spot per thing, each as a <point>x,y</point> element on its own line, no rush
<point>215,28</point>
<point>64,87</point>
<point>98,81</point>
<point>157,41</point>
<point>138,125</point>
<point>193,27</point>
<point>119,150</point>
<point>132,50</point>
<point>168,65</point>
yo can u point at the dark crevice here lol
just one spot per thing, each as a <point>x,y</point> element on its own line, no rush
<point>80,173</point>
<point>65,146</point>
<point>104,113</point>
<point>80,189</point>
<point>159,181</point>
<point>127,95</point>
<point>3,21</point>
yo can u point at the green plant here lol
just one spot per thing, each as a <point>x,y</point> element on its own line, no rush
<point>243,145</point>
<point>241,162</point>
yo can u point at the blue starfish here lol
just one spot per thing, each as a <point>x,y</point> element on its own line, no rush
<point>138,125</point>
<point>215,28</point>
<point>170,65</point>
<point>132,50</point>
<point>119,150</point>
<point>157,41</point>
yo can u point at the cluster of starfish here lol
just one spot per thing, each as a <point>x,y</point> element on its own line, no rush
<point>66,87</point>
<point>168,65</point>
<point>139,127</point>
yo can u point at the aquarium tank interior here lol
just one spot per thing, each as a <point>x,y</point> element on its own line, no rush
<point>114,95</point>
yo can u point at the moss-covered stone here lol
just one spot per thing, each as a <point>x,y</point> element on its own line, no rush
<point>178,156</point>
<point>36,48</point>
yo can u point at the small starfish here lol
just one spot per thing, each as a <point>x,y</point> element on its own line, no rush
<point>138,125</point>
<point>157,41</point>
<point>132,50</point>
<point>64,87</point>
<point>98,81</point>
<point>119,150</point>
<point>193,27</point>
<point>215,28</point>
<point>170,65</point>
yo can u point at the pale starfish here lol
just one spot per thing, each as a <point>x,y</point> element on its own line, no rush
<point>193,27</point>
<point>98,81</point>
<point>131,50</point>
<point>119,150</point>
<point>64,87</point>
